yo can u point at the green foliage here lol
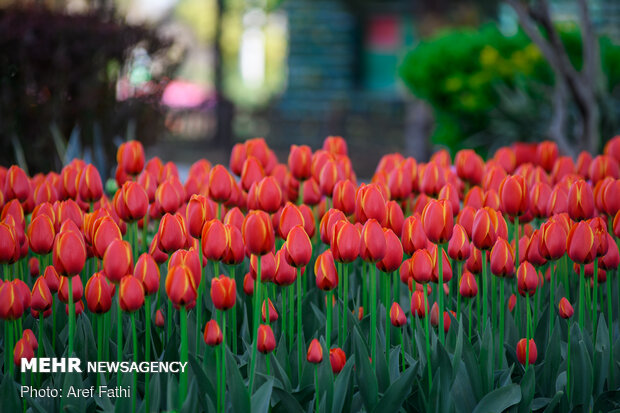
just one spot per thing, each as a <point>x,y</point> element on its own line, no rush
<point>474,78</point>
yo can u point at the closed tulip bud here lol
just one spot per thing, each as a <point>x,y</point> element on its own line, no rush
<point>418,304</point>
<point>546,154</point>
<point>41,235</point>
<point>158,255</point>
<point>329,176</point>
<point>552,240</point>
<point>11,302</point>
<point>413,235</point>
<point>315,352</point>
<point>41,297</point>
<point>52,278</point>
<point>611,259</point>
<point>300,162</point>
<point>435,318</point>
<point>159,319</point>
<point>69,253</point>
<point>248,284</point>
<point>273,314</point>
<point>267,268</point>
<point>197,213</point>
<point>238,155</point>
<point>565,309</point>
<point>285,273</point>
<point>483,231</point>
<point>214,240</point>
<point>235,250</point>
<point>502,259</point>
<point>223,292</point>
<point>344,196</point>
<point>328,221</point>
<point>393,252</point>
<point>580,201</point>
<point>469,166</point>
<point>131,294</point>
<point>446,266</point>
<point>599,229</point>
<point>30,338</point>
<point>131,202</point>
<point>335,145</point>
<point>265,342</point>
<point>168,196</point>
<point>90,187</point>
<point>370,204</point>
<point>581,243</point>
<point>172,233</point>
<point>337,359</point>
<point>438,221</point>
<point>33,267</point>
<point>474,262</point>
<point>308,219</point>
<point>312,192</point>
<point>105,231</point>
<point>372,244</point>
<point>213,334</point>
<point>397,315</point>
<point>269,194</point>
<point>539,199</point>
<point>291,217</point>
<point>190,259</point>
<point>22,350</point>
<point>474,198</point>
<point>514,196</point>
<point>221,184</point>
<point>251,172</point>
<point>458,246</point>
<point>395,217</point>
<point>603,166</point>
<point>258,233</point>
<point>532,251</point>
<point>449,193</point>
<point>431,178</point>
<point>16,184</point>
<point>325,270</point>
<point>298,247</point>
<point>98,294</point>
<point>400,182</point>
<point>130,157</point>
<point>422,266</point>
<point>527,279</point>
<point>179,286</point>
<point>76,287</point>
<point>345,242</point>
<point>117,261</point>
<point>522,346</point>
<point>493,178</point>
<point>468,286</point>
<point>147,271</point>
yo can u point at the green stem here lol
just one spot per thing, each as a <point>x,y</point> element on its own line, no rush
<point>40,349</point>
<point>135,359</point>
<point>184,356</point>
<point>402,349</point>
<point>595,297</point>
<point>527,336</point>
<point>119,332</point>
<point>386,286</point>
<point>256,315</point>
<point>611,332</point>
<point>234,316</point>
<point>218,363</point>
<point>71,316</point>
<point>199,297</point>
<point>268,364</point>
<point>364,288</point>
<point>339,313</point>
<point>99,343</point>
<point>328,327</point>
<point>373,315</point>
<point>223,370</point>
<point>568,383</point>
<point>345,302</point>
<point>147,348</point>
<point>316,388</point>
<point>291,316</point>
<point>427,331</point>
<point>552,281</point>
<point>442,334</point>
<point>9,347</point>
<point>300,343</point>
<point>581,300</point>
<point>502,311</point>
<point>485,292</point>
<point>285,332</point>
<point>470,321</point>
<point>145,229</point>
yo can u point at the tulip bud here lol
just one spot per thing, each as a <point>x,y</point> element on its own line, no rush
<point>221,184</point>
<point>422,266</point>
<point>393,252</point>
<point>223,292</point>
<point>248,284</point>
<point>413,235</point>
<point>90,187</point>
<point>395,217</point>
<point>291,217</point>
<point>273,314</point>
<point>179,286</point>
<point>117,261</point>
<point>458,246</point>
<point>337,359</point>
<point>214,241</point>
<point>159,319</point>
<point>41,297</point>
<point>69,253</point>
<point>30,338</point>
<point>98,294</point>
<point>23,350</point>
<point>131,202</point>
<point>251,172</point>
<point>552,240</point>
<point>514,196</point>
<point>130,157</point>
<point>41,235</point>
<point>580,201</point>
<point>611,259</point>
<point>527,279</point>
<point>397,316</point>
<point>345,242</point>
<point>266,342</point>
<point>328,221</point>
<point>131,294</point>
<point>438,221</point>
<point>325,270</point>
<point>370,204</point>
<point>502,259</point>
<point>469,166</point>
<point>258,234</point>
<point>298,247</point>
<point>212,335</point>
<point>474,262</point>
<point>431,178</point>
<point>468,285</point>
<point>33,267</point>
<point>268,267</point>
<point>300,162</point>
<point>581,244</point>
<point>335,145</point>
<point>565,308</point>
<point>312,192</point>
<point>522,346</point>
<point>315,352</point>
<point>418,304</point>
<point>483,231</point>
<point>344,196</point>
<point>172,233</point>
<point>372,245</point>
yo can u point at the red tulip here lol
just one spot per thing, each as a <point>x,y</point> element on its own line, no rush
<point>484,232</point>
<point>291,216</point>
<point>298,247</point>
<point>41,235</point>
<point>77,289</point>
<point>266,342</point>
<point>431,178</point>
<point>90,187</point>
<point>131,294</point>
<point>191,260</point>
<point>522,346</point>
<point>599,229</point>
<point>104,232</point>
<point>267,268</point>
<point>539,199</point>
<point>221,184</point>
<point>30,338</point>
<point>449,193</point>
<point>337,359</point>
<point>469,166</point>
<point>22,350</point>
<point>493,178</point>
<point>147,271</point>
<point>214,240</point>
<point>98,294</point>
<point>400,182</point>
<point>285,274</point>
<point>335,145</point>
<point>52,278</point>
<point>172,233</point>
<point>159,319</point>
<point>344,196</point>
<point>514,196</point>
<point>565,308</point>
<point>11,302</point>
<point>131,202</point>
<point>300,162</point>
<point>251,172</point>
<point>468,286</point>
<point>41,297</point>
<point>248,284</point>
<point>69,253</point>
<point>413,235</point>
<point>269,194</point>
<point>611,259</point>
<point>308,219</point>
<point>179,286</point>
<point>581,244</point>
<point>315,352</point>
<point>458,246</point>
<point>397,316</point>
<point>393,252</point>
<point>580,201</point>
<point>474,198</point>
<point>438,221</point>
<point>502,259</point>
<point>527,279</point>
<point>325,271</point>
<point>273,314</point>
<point>435,318</point>
<point>212,334</point>
<point>345,242</point>
<point>117,261</point>
<point>422,266</point>
<point>418,304</point>
<point>258,233</point>
<point>546,154</point>
<point>552,240</point>
<point>603,166</point>
<point>223,292</point>
<point>328,221</point>
<point>370,204</point>
<point>312,192</point>
<point>372,245</point>
<point>395,217</point>
<point>33,267</point>
<point>130,157</point>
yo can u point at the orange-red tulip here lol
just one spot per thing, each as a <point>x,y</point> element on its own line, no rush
<point>273,314</point>
<point>30,338</point>
<point>335,145</point>
<point>298,247</point>
<point>581,243</point>
<point>69,253</point>
<point>446,266</point>
<point>33,267</point>
<point>76,287</point>
<point>565,308</point>
<point>435,318</point>
<point>325,270</point>
<point>159,319</point>
<point>315,352</point>
<point>458,246</point>
<point>603,166</point>
<point>223,292</point>
<point>191,260</point>
<point>468,286</point>
<point>172,233</point>
<point>214,240</point>
<point>438,221</point>
<point>105,231</point>
<point>300,162</point>
<point>552,241</point>
<point>9,244</point>
<point>131,202</point>
<point>179,287</point>
<point>422,266</point>
<point>393,252</point>
<point>22,350</point>
<point>397,315</point>
<point>117,261</point>
<point>266,342</point>
<point>269,194</point>
<point>337,359</point>
<point>221,184</point>
<point>147,271</point>
<point>41,297</point>
<point>418,304</point>
<point>98,294</point>
<point>285,274</point>
<point>527,279</point>
<point>344,196</point>
<point>345,242</point>
<point>546,154</point>
<point>400,182</point>
<point>258,233</point>
<point>502,259</point>
<point>41,235</point>
<point>370,204</point>
<point>90,187</point>
<point>131,294</point>
<point>431,178</point>
<point>130,157</point>
<point>394,217</point>
<point>450,193</point>
<point>580,201</point>
<point>611,259</point>
<point>372,243</point>
<point>514,195</point>
<point>469,166</point>
<point>484,232</point>
<point>248,284</point>
<point>291,216</point>
<point>212,334</point>
<point>522,347</point>
<point>267,268</point>
<point>413,235</point>
<point>251,172</point>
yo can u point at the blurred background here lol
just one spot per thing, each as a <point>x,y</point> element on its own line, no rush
<point>190,78</point>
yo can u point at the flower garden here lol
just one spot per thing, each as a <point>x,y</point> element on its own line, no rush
<point>465,285</point>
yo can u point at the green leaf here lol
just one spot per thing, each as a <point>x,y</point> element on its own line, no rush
<point>262,397</point>
<point>123,404</point>
<point>366,379</point>
<point>528,386</point>
<point>554,402</point>
<point>8,393</point>
<point>287,402</point>
<point>462,390</point>
<point>341,387</point>
<point>396,393</point>
<point>486,359</point>
<point>237,388</point>
<point>191,401</point>
<point>204,384</point>
<point>607,401</point>
<point>499,400</point>
<point>581,375</point>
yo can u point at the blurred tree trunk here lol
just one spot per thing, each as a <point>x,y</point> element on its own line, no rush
<point>584,88</point>
<point>224,109</point>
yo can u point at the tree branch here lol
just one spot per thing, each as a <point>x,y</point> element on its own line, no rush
<point>590,46</point>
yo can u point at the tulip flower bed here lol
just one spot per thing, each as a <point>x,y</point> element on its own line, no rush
<point>479,286</point>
